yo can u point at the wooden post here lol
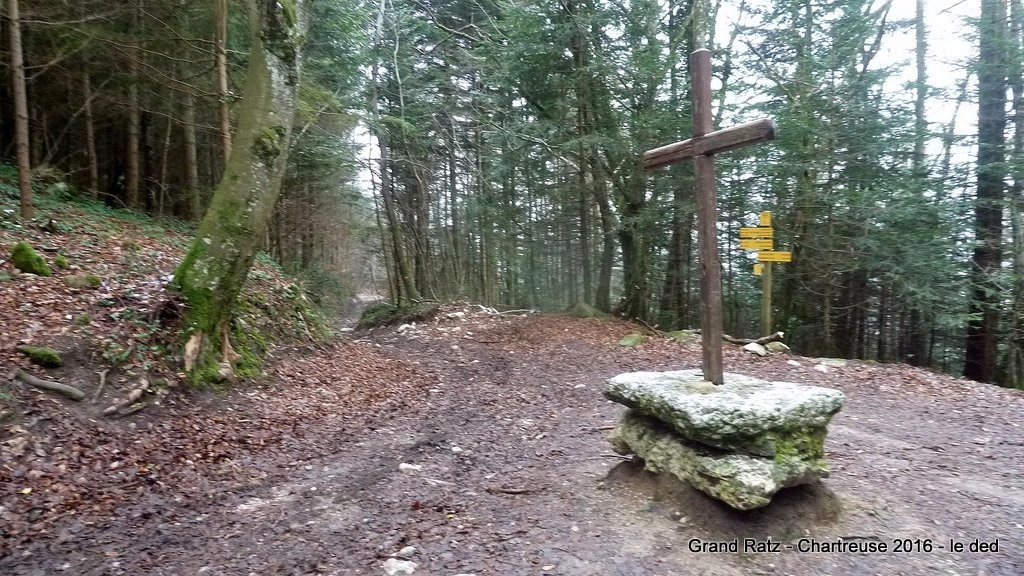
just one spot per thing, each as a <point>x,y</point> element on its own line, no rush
<point>707,223</point>
<point>766,299</point>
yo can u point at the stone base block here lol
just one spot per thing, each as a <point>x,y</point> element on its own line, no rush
<point>742,481</point>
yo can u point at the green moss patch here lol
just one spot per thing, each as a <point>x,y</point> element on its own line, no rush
<point>684,336</point>
<point>83,281</point>
<point>387,314</point>
<point>61,261</point>
<point>631,340</point>
<point>26,259</point>
<point>42,355</point>
<point>583,310</point>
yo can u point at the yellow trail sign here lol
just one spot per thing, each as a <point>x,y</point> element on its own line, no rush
<point>773,256</point>
<point>765,219</point>
<point>759,232</point>
<point>758,269</point>
<point>756,244</point>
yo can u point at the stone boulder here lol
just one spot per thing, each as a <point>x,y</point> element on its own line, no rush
<point>26,259</point>
<point>740,480</point>
<point>745,413</point>
<point>740,442</point>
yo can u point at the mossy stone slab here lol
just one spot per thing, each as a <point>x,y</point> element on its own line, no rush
<point>742,481</point>
<point>745,414</point>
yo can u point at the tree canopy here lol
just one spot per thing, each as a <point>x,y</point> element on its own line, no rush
<point>489,150</point>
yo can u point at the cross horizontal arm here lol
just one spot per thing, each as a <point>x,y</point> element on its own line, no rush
<point>713,143</point>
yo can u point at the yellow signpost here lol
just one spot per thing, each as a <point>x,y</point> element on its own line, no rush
<point>774,256</point>
<point>759,232</point>
<point>756,244</point>
<point>761,238</point>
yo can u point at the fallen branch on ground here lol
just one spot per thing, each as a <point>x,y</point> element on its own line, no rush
<point>777,337</point>
<point>132,397</point>
<point>499,490</point>
<point>654,331</point>
<point>619,456</point>
<point>520,311</point>
<point>63,389</point>
<point>103,382</point>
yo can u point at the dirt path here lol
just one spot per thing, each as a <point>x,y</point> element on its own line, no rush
<point>515,477</point>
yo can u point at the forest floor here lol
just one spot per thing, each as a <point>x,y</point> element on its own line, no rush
<point>478,439</point>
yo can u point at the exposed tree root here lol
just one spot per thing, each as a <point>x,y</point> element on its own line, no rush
<point>63,389</point>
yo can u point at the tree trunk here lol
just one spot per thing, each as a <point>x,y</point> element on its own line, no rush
<point>915,350</point>
<point>980,361</point>
<point>603,297</point>
<point>220,41</point>
<point>20,112</point>
<point>1014,366</point>
<point>405,286</point>
<point>133,158</point>
<point>90,136</point>
<point>213,272</point>
<point>191,158</point>
<point>634,255</point>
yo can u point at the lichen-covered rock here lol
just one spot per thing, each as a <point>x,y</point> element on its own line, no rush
<point>745,414</point>
<point>685,336</point>
<point>631,340</point>
<point>28,260</point>
<point>83,281</point>
<point>777,348</point>
<point>755,348</point>
<point>740,480</point>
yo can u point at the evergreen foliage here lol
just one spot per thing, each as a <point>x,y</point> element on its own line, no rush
<point>487,150</point>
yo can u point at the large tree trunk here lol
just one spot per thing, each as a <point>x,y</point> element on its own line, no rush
<point>634,254</point>
<point>20,112</point>
<point>603,297</point>
<point>212,274</point>
<point>980,360</point>
<point>1014,366</point>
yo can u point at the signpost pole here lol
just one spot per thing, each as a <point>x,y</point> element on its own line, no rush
<point>766,299</point>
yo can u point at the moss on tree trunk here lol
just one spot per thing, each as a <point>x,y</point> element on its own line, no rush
<point>213,272</point>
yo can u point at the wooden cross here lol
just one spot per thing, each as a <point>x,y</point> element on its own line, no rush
<point>702,148</point>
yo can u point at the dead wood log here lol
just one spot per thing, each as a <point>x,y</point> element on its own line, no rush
<point>63,389</point>
<point>777,337</point>
<point>653,330</point>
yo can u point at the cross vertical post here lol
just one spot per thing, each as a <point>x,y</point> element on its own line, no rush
<point>707,223</point>
<point>702,148</point>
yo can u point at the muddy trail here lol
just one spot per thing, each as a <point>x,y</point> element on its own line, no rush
<point>479,442</point>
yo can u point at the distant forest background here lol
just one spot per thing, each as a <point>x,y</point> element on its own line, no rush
<point>503,157</point>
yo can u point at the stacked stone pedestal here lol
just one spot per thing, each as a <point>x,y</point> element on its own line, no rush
<point>740,442</point>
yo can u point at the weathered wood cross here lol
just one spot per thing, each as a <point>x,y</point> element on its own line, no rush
<point>702,148</point>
